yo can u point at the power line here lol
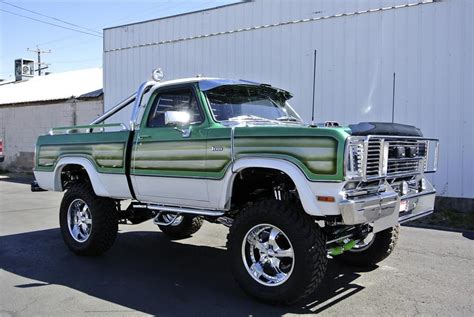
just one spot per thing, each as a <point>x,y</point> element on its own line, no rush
<point>77,61</point>
<point>50,17</point>
<point>56,25</point>
<point>166,7</point>
<point>76,44</point>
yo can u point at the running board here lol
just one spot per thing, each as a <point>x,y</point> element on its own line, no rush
<point>183,210</point>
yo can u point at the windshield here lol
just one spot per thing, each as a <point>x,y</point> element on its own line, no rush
<point>250,103</point>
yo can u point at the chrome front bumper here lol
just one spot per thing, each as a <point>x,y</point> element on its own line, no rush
<point>369,209</point>
<point>422,205</point>
<point>383,209</point>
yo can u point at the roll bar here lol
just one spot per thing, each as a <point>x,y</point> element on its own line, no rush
<point>135,97</point>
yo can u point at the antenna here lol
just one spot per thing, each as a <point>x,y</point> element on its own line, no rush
<point>314,85</point>
<point>393,97</point>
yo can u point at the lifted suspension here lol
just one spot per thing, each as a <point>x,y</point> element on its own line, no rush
<point>344,238</point>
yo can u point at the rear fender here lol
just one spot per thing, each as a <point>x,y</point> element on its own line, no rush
<point>96,182</point>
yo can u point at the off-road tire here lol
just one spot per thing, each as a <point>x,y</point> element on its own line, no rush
<point>104,221</point>
<point>382,246</point>
<point>309,245</point>
<point>188,226</point>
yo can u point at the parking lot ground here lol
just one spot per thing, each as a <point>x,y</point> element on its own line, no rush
<point>430,273</point>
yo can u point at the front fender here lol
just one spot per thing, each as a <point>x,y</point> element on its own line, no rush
<point>307,190</point>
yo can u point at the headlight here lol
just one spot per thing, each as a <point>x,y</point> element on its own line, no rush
<point>431,155</point>
<point>354,158</point>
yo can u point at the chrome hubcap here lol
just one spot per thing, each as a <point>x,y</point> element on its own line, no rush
<point>268,255</point>
<point>79,220</point>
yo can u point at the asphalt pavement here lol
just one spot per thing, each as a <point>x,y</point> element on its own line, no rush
<point>430,273</point>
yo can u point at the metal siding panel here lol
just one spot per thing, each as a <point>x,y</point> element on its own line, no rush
<point>467,101</point>
<point>428,46</point>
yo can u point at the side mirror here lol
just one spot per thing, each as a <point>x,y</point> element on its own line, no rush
<point>177,118</point>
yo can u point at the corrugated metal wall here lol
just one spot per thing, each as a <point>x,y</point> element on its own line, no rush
<point>429,46</point>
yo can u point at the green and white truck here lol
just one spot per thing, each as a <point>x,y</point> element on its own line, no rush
<point>235,152</point>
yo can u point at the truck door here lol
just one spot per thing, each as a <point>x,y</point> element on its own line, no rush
<point>169,162</point>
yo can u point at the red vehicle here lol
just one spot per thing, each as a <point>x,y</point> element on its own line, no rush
<point>1,151</point>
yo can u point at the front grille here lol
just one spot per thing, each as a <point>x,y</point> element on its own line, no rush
<point>394,157</point>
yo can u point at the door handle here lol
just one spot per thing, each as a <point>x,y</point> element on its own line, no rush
<point>186,133</point>
<point>144,136</point>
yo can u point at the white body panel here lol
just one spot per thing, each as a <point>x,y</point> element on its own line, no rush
<point>171,190</point>
<point>429,47</point>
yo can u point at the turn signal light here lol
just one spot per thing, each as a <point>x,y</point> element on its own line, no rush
<point>328,199</point>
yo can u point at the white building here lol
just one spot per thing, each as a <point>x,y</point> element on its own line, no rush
<point>31,108</point>
<point>359,43</point>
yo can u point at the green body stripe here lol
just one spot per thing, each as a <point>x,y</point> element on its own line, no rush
<point>314,150</point>
<point>105,150</point>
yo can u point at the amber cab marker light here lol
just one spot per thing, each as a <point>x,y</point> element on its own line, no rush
<point>328,199</point>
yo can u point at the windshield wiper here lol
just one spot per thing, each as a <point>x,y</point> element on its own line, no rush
<point>288,118</point>
<point>249,118</point>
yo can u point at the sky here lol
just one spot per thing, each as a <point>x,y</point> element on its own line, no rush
<point>70,49</point>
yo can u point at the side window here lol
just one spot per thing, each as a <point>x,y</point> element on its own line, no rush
<point>176,100</point>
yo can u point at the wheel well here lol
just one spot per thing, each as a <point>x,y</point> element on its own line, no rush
<point>252,184</point>
<point>73,173</point>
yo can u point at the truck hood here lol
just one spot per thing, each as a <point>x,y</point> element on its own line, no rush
<point>359,129</point>
<point>291,130</point>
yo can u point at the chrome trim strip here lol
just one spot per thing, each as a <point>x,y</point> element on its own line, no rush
<point>410,196</point>
<point>411,217</point>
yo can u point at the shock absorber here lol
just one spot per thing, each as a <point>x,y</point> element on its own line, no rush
<point>348,244</point>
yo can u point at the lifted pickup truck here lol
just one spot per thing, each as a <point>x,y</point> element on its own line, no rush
<point>236,153</point>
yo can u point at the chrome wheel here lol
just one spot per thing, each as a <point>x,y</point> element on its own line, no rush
<point>268,255</point>
<point>79,220</point>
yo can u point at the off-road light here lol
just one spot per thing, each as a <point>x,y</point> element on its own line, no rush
<point>352,185</point>
<point>157,74</point>
<point>404,188</point>
<point>423,184</point>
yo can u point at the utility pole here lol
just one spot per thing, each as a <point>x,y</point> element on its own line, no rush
<point>39,52</point>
